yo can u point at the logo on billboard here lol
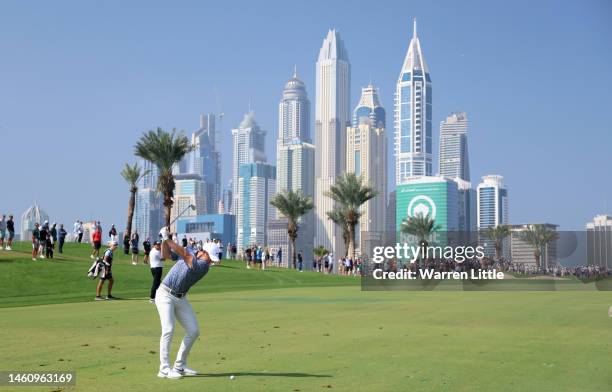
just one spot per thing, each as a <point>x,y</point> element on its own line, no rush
<point>422,205</point>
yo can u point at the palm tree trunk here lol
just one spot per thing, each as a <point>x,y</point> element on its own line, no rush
<point>293,252</point>
<point>351,241</point>
<point>131,205</point>
<point>168,206</point>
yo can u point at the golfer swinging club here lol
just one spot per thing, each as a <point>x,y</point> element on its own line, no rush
<point>172,303</point>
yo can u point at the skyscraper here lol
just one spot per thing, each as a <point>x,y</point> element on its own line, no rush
<point>454,162</point>
<point>366,156</point>
<point>599,241</point>
<point>149,209</point>
<point>294,165</point>
<point>413,131</point>
<point>492,210</point>
<point>295,154</point>
<point>190,191</point>
<point>204,162</point>
<point>294,112</point>
<point>492,200</point>
<point>248,144</point>
<point>256,186</point>
<point>333,78</point>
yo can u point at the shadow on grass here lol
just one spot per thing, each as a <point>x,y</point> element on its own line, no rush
<point>261,374</point>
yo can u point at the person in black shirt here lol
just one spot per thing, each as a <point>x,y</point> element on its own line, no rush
<point>44,234</point>
<point>10,228</point>
<point>61,238</point>
<point>126,243</point>
<point>184,241</point>
<point>146,247</point>
<point>134,244</point>
<point>50,241</point>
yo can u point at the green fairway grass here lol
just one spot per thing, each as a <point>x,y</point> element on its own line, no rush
<point>280,330</point>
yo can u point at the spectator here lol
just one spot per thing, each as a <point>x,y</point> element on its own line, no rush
<point>35,241</point>
<point>80,232</point>
<point>112,233</point>
<point>96,243</point>
<point>156,269</point>
<point>126,243</point>
<point>134,246</point>
<point>184,241</point>
<point>107,273</point>
<point>62,233</point>
<point>300,260</point>
<point>53,233</point>
<point>249,256</point>
<point>43,233</point>
<point>279,256</point>
<point>49,245</point>
<point>10,228</point>
<point>146,247</point>
<point>2,231</point>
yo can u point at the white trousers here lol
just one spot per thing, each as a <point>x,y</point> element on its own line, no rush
<point>171,308</point>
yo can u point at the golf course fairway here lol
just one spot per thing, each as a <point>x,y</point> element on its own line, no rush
<point>281,330</point>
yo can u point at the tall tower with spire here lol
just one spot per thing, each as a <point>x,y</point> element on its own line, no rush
<point>413,128</point>
<point>332,116</point>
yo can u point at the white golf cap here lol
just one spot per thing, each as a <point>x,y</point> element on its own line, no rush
<point>212,249</point>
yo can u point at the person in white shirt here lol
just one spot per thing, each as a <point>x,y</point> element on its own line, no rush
<point>157,265</point>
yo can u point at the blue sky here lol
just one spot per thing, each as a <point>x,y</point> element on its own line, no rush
<point>81,81</point>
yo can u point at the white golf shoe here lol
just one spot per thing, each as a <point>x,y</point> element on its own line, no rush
<point>186,371</point>
<point>169,373</point>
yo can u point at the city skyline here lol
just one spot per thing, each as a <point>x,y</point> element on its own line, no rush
<point>483,137</point>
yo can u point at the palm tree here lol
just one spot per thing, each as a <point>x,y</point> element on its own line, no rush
<point>539,236</point>
<point>497,234</point>
<point>338,216</point>
<point>350,192</point>
<point>164,150</point>
<point>132,174</point>
<point>292,205</point>
<point>421,226</point>
<point>320,251</point>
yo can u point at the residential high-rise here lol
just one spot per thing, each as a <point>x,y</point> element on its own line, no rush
<point>492,200</point>
<point>413,131</point>
<point>294,112</point>
<point>467,205</point>
<point>492,210</point>
<point>189,190</point>
<point>599,241</point>
<point>294,164</point>
<point>454,162</point>
<point>256,186</point>
<point>248,146</point>
<point>366,156</point>
<point>332,113</point>
<point>204,161</point>
<point>149,209</point>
